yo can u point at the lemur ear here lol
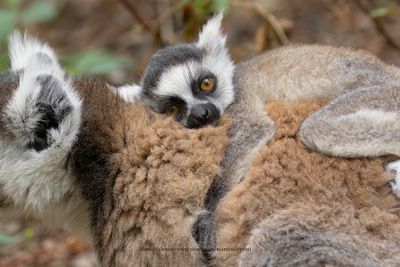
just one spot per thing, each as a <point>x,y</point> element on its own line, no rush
<point>211,37</point>
<point>44,109</point>
<point>130,93</point>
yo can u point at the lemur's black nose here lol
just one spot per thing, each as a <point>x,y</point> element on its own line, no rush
<point>202,114</point>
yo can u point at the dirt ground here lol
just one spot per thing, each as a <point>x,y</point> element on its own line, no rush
<point>89,24</point>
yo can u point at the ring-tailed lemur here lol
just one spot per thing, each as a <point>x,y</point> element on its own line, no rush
<point>193,81</point>
<point>362,120</point>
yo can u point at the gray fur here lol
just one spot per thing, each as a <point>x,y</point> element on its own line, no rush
<point>348,127</point>
<point>294,243</point>
<point>8,81</point>
<point>204,225</point>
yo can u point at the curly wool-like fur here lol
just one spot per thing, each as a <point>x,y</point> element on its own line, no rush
<point>160,191</point>
<point>145,178</point>
<point>300,208</point>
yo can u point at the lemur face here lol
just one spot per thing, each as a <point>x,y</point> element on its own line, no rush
<point>191,81</point>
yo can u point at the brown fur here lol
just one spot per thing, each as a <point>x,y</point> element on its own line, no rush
<point>348,198</point>
<point>145,178</point>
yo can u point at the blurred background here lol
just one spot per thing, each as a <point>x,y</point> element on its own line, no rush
<point>115,38</point>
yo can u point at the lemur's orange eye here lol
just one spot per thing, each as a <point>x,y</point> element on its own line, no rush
<point>207,84</point>
<point>171,110</point>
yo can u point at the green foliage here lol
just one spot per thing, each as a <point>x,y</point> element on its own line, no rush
<point>12,4</point>
<point>196,13</point>
<point>7,23</point>
<point>39,11</point>
<point>212,6</point>
<point>3,61</point>
<point>15,14</point>
<point>207,8</point>
<point>380,12</point>
<point>6,239</point>
<point>385,8</point>
<point>95,62</point>
<point>28,233</point>
<point>219,5</point>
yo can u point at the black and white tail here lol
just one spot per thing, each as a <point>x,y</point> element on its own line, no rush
<point>44,108</point>
<point>43,115</point>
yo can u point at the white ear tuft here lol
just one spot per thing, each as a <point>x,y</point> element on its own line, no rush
<point>22,47</point>
<point>130,93</point>
<point>211,37</point>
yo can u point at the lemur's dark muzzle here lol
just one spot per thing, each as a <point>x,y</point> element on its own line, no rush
<point>202,114</point>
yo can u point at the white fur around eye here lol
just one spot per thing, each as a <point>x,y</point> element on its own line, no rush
<point>222,67</point>
<point>175,81</point>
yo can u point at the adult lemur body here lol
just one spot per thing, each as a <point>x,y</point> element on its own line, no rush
<point>360,122</point>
